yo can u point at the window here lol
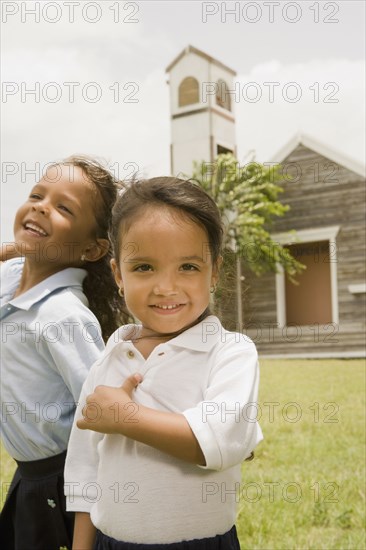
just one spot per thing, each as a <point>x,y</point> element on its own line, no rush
<point>223,150</point>
<point>223,95</point>
<point>188,92</point>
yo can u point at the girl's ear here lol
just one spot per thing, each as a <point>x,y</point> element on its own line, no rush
<point>116,273</point>
<point>97,250</point>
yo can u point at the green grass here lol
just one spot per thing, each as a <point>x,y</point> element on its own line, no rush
<point>7,469</point>
<point>305,488</point>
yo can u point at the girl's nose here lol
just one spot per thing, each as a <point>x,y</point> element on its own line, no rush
<point>165,286</point>
<point>41,207</point>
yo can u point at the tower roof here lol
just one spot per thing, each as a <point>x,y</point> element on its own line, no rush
<point>191,49</point>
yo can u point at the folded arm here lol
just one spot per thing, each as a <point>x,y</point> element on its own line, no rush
<point>112,410</point>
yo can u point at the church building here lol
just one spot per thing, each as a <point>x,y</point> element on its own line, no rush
<point>324,315</point>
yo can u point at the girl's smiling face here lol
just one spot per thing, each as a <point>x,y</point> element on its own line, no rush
<point>57,223</point>
<point>165,269</point>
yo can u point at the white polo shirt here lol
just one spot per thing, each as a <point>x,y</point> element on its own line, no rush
<point>136,493</point>
<point>49,340</point>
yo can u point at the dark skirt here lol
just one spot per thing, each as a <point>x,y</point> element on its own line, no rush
<point>228,541</point>
<point>34,516</point>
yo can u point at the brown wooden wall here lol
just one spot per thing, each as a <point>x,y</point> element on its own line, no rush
<point>325,194</point>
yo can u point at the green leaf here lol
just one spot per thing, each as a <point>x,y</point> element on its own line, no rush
<point>247,198</point>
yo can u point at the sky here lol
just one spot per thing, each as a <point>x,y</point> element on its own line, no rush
<point>89,77</point>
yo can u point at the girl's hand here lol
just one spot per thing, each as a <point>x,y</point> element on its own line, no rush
<point>112,411</point>
<point>108,409</point>
<point>8,251</point>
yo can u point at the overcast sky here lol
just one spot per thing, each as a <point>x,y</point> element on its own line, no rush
<point>98,72</point>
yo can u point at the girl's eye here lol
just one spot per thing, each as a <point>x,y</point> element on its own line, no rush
<point>143,268</point>
<point>62,207</point>
<point>189,267</point>
<point>35,196</point>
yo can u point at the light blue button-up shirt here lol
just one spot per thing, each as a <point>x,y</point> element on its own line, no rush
<point>49,341</point>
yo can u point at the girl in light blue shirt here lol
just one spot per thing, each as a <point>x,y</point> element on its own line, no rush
<point>58,304</point>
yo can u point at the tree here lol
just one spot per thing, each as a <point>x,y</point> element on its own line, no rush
<point>247,197</point>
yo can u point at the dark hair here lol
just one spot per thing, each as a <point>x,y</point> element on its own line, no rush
<point>184,196</point>
<point>99,285</point>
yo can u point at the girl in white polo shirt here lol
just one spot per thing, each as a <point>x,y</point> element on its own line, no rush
<point>166,415</point>
<point>52,299</point>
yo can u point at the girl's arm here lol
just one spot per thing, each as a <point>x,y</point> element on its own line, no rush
<point>84,532</point>
<point>8,251</point>
<point>218,432</point>
<point>112,410</point>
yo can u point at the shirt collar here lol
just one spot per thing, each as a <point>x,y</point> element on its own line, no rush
<point>69,277</point>
<point>200,337</point>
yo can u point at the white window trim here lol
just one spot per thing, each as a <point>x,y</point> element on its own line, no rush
<point>225,144</point>
<point>357,289</point>
<point>307,236</point>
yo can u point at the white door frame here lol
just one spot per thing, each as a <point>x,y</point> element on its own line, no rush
<point>314,234</point>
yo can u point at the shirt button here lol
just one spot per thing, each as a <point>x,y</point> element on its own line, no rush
<point>130,354</point>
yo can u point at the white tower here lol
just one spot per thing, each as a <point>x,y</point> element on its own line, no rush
<point>201,107</point>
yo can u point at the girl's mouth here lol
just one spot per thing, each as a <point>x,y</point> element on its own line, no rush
<point>167,308</point>
<point>35,229</point>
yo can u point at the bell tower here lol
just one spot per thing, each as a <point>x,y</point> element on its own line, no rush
<point>201,110</point>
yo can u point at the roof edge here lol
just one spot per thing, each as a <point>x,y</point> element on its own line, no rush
<point>191,49</point>
<point>322,149</point>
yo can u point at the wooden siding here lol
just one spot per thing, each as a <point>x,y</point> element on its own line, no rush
<point>347,339</point>
<point>326,194</point>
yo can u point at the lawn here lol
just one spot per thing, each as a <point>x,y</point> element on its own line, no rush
<point>305,489</point>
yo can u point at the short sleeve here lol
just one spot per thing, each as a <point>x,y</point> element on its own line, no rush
<point>225,423</point>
